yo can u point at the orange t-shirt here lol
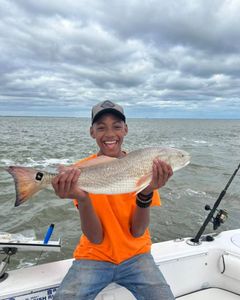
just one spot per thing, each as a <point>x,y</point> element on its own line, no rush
<point>115,213</point>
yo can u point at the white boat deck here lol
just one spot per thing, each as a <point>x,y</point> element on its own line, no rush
<point>211,294</point>
<point>209,271</point>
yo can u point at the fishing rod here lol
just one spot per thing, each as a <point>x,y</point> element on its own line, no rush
<point>221,216</point>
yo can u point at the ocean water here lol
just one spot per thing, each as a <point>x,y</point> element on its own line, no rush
<point>44,143</point>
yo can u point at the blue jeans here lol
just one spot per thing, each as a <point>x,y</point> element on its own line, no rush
<point>139,274</point>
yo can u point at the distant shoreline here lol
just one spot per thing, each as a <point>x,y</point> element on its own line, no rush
<point>129,118</point>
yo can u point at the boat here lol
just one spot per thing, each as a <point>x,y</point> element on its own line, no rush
<point>203,267</point>
<point>209,269</point>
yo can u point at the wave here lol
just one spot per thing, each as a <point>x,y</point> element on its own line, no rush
<point>191,192</point>
<point>46,162</point>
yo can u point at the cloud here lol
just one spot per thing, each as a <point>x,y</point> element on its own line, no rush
<point>173,55</point>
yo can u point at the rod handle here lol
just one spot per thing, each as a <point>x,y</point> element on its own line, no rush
<point>48,234</point>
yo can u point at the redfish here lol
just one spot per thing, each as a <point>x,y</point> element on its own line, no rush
<point>103,175</point>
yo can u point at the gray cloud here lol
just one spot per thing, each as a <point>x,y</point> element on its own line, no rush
<point>170,55</point>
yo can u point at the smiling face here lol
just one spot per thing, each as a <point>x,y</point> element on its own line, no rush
<point>109,132</point>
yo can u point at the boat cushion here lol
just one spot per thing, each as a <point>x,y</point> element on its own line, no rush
<point>210,294</point>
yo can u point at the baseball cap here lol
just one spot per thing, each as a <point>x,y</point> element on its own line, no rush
<point>107,107</point>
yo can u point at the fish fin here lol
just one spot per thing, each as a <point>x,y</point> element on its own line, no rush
<point>143,182</point>
<point>25,181</point>
<point>102,159</point>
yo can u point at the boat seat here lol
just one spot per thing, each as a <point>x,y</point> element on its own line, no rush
<point>210,294</point>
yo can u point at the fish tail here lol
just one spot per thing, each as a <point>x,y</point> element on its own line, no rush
<point>28,181</point>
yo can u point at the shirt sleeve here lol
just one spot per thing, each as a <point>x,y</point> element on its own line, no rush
<point>75,203</point>
<point>156,200</point>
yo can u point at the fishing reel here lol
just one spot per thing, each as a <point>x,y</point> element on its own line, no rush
<point>220,217</point>
<point>5,262</point>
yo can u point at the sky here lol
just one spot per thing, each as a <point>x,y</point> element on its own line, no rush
<point>157,58</point>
